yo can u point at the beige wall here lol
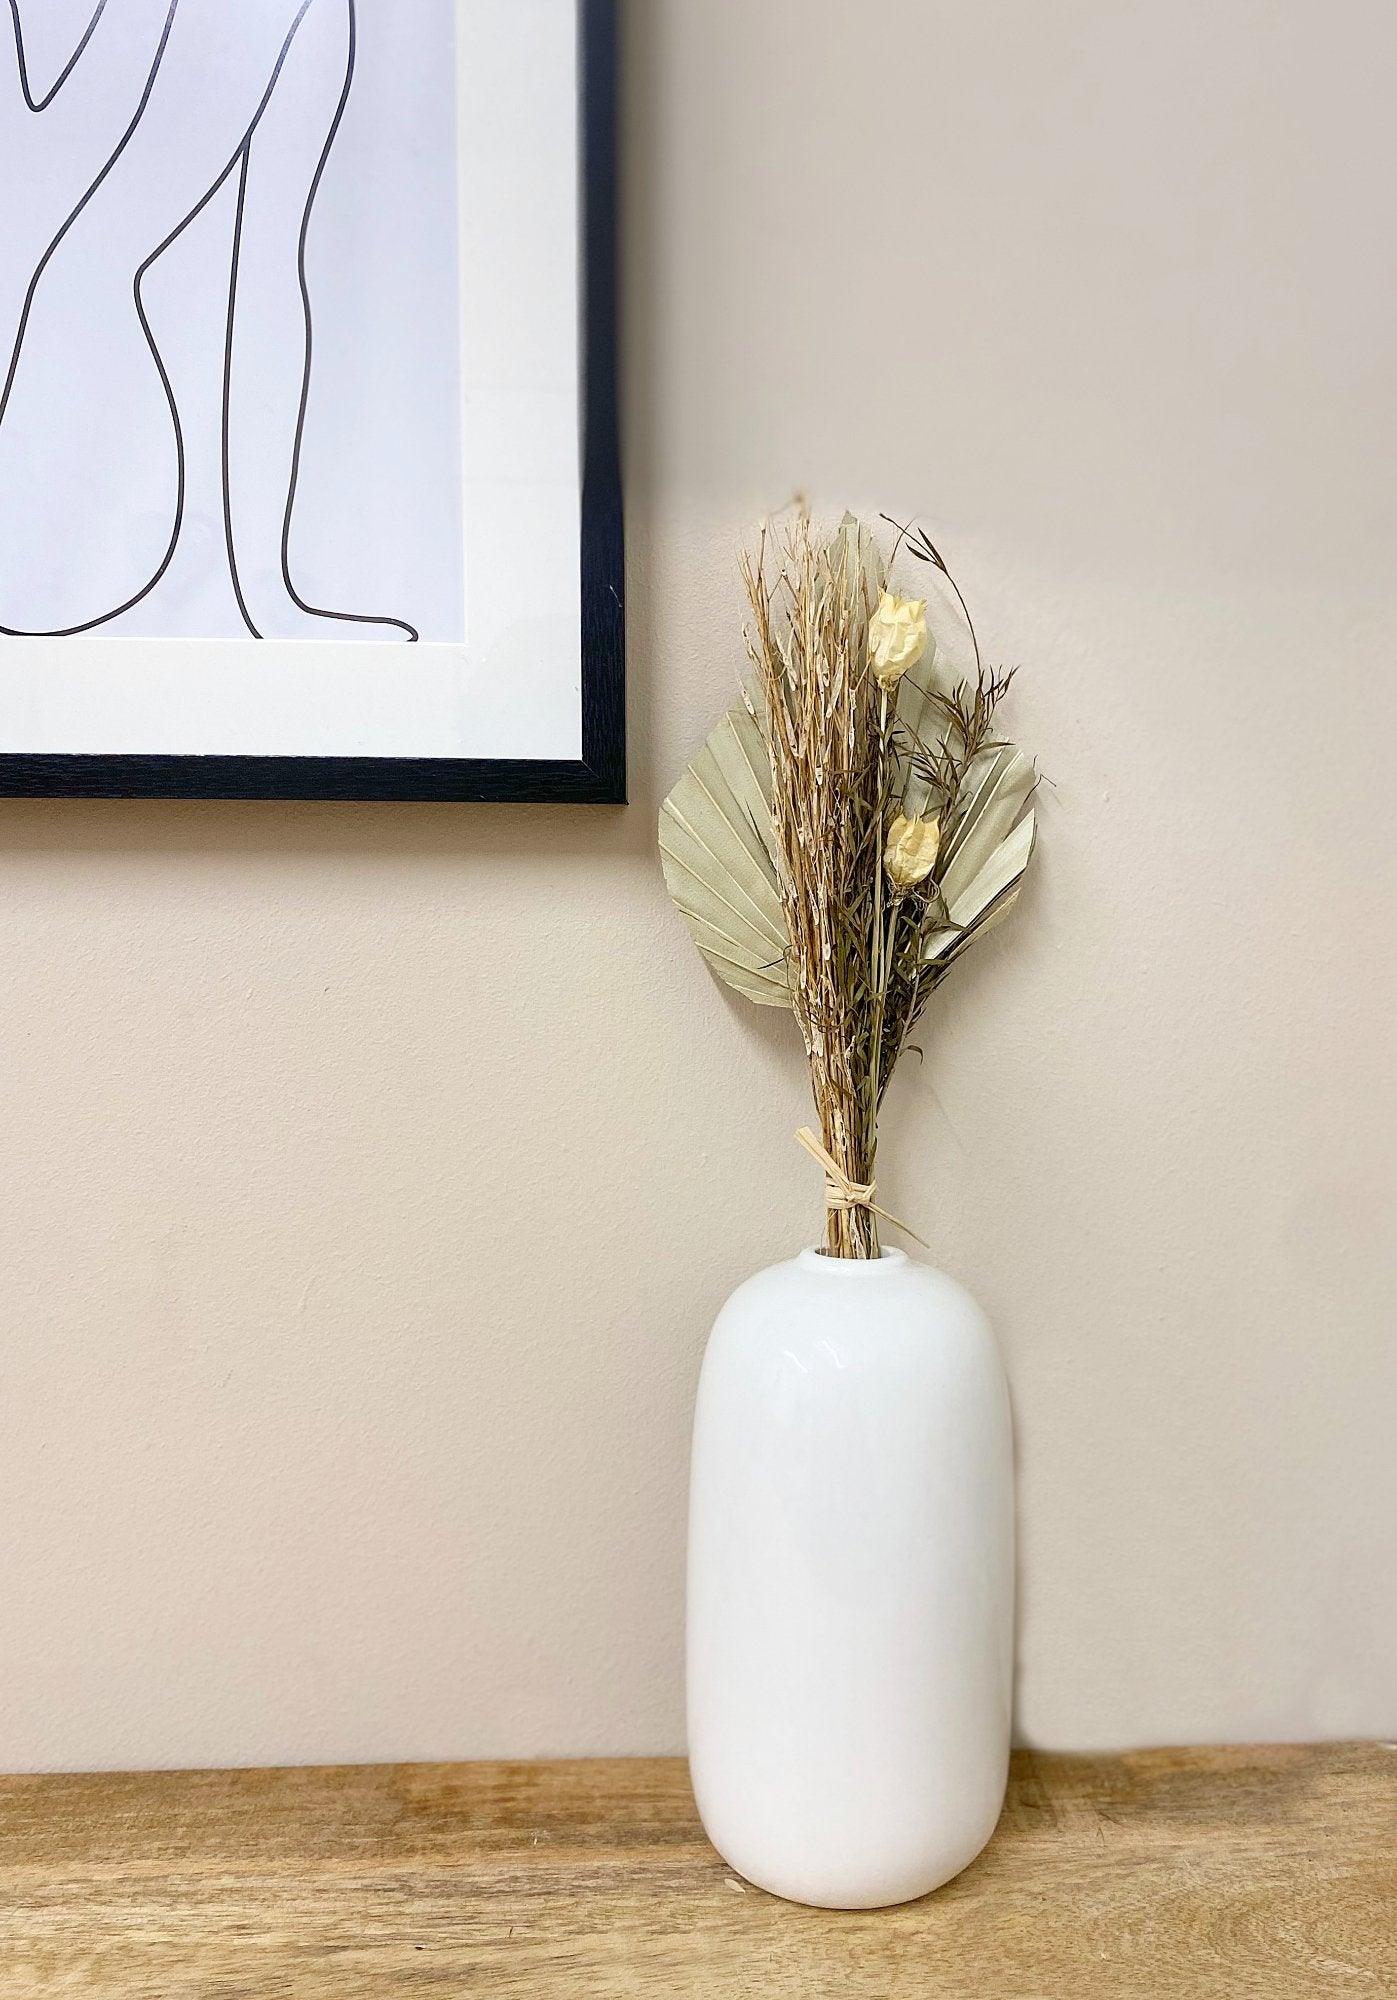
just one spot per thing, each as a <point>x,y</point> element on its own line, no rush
<point>369,1176</point>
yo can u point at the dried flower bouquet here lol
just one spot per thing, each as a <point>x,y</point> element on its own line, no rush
<point>849,828</point>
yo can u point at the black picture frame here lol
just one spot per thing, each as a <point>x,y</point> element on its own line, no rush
<point>598,777</point>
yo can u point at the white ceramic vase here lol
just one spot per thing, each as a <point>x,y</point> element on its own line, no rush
<point>850,1614</point>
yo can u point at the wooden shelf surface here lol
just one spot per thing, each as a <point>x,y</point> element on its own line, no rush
<point>1188,1873</point>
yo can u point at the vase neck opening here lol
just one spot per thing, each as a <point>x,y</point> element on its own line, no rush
<point>821,1261</point>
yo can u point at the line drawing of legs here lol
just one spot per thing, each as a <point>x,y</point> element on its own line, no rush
<point>54,142</point>
<point>270,336</point>
<point>40,104</point>
<point>85,384</point>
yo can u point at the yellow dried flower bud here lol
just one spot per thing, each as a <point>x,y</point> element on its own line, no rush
<point>913,845</point>
<point>897,637</point>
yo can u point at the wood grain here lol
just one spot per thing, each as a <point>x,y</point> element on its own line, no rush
<point>1253,1873</point>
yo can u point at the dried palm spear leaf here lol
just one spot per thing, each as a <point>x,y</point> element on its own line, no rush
<point>986,857</point>
<point>718,851</point>
<point>717,848</point>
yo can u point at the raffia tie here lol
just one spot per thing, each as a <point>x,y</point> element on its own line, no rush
<point>841,1193</point>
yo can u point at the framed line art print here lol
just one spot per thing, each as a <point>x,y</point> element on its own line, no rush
<point>309,468</point>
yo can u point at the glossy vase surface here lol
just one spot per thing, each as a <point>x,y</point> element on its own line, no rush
<point>850,1592</point>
